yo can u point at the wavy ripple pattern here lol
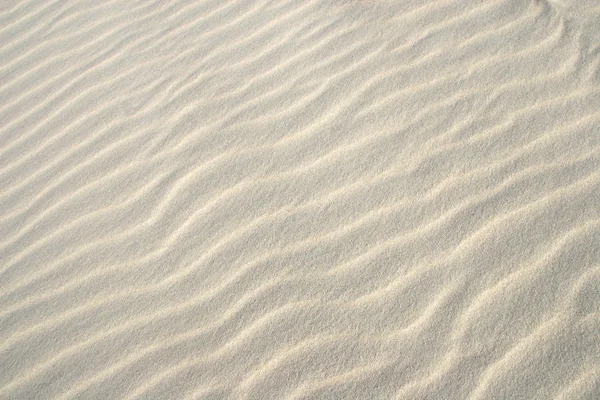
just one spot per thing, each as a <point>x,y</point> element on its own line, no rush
<point>299,199</point>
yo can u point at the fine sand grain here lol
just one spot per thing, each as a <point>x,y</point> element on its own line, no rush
<point>300,199</point>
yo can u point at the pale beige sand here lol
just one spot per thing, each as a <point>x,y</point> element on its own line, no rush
<point>300,199</point>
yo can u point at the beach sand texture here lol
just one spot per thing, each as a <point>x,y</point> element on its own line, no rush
<point>300,199</point>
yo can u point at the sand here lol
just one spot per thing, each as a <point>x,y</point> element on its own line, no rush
<point>297,199</point>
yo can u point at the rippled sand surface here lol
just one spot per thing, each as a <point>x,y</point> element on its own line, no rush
<point>328,199</point>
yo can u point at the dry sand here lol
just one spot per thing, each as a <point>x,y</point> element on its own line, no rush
<point>301,199</point>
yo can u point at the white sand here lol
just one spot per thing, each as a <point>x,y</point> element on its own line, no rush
<point>329,199</point>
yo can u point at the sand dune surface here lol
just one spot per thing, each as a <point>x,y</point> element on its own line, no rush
<point>300,199</point>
